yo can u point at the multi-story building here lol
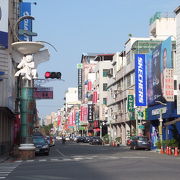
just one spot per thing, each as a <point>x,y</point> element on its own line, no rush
<point>102,68</point>
<point>9,120</point>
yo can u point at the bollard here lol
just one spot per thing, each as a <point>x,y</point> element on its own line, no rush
<point>170,151</point>
<point>176,151</point>
<point>162,150</point>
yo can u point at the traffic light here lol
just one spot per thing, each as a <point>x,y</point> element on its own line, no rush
<point>53,75</point>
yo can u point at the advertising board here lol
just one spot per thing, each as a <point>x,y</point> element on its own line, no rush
<point>140,80</point>
<point>26,24</point>
<point>160,74</point>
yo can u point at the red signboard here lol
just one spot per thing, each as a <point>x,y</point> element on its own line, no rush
<point>43,93</point>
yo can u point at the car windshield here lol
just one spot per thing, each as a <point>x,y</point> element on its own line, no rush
<point>38,140</point>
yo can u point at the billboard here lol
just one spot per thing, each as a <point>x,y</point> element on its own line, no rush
<point>160,74</point>
<point>4,5</point>
<point>26,24</point>
<point>140,80</point>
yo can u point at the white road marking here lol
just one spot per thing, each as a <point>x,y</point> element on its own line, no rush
<point>78,158</point>
<point>42,160</point>
<point>60,153</point>
<point>30,160</point>
<point>2,177</point>
<point>19,161</point>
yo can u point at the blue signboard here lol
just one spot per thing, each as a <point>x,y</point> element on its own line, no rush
<point>140,80</point>
<point>26,24</point>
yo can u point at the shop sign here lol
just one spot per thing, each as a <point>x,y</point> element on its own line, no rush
<point>140,80</point>
<point>130,103</point>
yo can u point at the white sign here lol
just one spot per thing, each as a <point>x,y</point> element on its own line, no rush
<point>157,111</point>
<point>168,84</point>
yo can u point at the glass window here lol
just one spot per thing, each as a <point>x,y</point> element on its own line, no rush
<point>105,72</point>
<point>105,101</point>
<point>104,86</point>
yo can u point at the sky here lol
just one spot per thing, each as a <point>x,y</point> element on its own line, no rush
<point>75,27</point>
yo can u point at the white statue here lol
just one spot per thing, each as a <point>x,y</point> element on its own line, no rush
<point>29,63</point>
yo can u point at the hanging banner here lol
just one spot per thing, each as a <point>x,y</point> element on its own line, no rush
<point>4,11</point>
<point>90,112</point>
<point>130,103</point>
<point>140,80</point>
<point>26,24</point>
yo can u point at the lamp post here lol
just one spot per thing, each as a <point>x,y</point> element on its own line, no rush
<point>160,119</point>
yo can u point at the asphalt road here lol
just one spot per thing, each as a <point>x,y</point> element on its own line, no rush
<point>74,161</point>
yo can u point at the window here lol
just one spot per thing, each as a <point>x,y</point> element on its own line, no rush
<point>104,86</point>
<point>128,58</point>
<point>105,101</point>
<point>128,80</point>
<point>105,72</point>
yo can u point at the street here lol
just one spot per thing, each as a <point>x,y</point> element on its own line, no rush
<point>83,161</point>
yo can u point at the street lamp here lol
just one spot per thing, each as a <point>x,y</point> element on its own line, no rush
<point>160,119</point>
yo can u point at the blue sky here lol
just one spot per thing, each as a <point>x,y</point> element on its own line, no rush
<point>80,26</point>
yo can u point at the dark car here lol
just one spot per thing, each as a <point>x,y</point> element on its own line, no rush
<point>96,140</point>
<point>140,142</point>
<point>41,145</point>
<point>87,139</point>
<point>80,139</point>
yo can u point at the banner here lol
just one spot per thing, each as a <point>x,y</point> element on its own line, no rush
<point>4,11</point>
<point>130,103</point>
<point>90,112</point>
<point>140,80</point>
<point>25,10</point>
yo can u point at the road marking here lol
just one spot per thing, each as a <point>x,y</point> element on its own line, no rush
<point>19,161</point>
<point>29,160</point>
<point>60,153</point>
<point>66,159</point>
<point>2,177</point>
<point>78,158</point>
<point>55,159</point>
<point>42,160</point>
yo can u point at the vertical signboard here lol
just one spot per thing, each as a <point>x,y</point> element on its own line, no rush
<point>130,103</point>
<point>4,11</point>
<point>140,80</point>
<point>168,89</point>
<point>90,112</point>
<point>26,24</point>
<point>79,66</point>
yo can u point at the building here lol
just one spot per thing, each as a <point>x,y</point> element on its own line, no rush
<point>102,69</point>
<point>9,118</point>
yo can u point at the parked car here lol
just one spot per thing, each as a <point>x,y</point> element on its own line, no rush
<point>140,142</point>
<point>41,145</point>
<point>87,139</point>
<point>96,140</point>
<point>80,139</point>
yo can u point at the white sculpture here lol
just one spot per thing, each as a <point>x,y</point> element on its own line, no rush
<point>29,63</point>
